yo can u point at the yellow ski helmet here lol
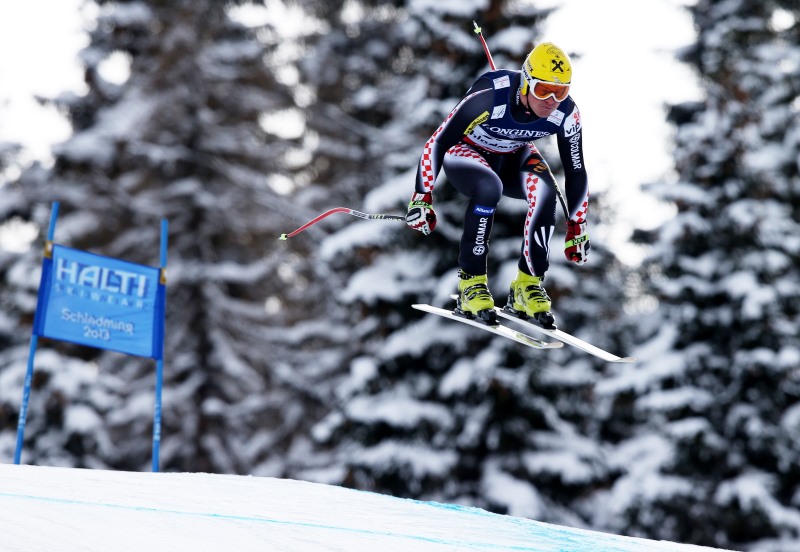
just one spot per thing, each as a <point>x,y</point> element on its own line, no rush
<point>546,62</point>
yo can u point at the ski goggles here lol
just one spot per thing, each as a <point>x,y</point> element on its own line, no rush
<point>543,89</point>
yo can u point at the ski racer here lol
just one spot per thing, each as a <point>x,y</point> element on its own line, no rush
<point>486,148</point>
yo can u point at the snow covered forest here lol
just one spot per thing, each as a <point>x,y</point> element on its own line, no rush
<point>303,358</point>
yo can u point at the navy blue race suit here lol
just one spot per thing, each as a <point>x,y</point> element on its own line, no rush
<point>485,146</point>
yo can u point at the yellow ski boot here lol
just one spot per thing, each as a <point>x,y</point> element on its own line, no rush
<point>528,299</point>
<point>474,299</point>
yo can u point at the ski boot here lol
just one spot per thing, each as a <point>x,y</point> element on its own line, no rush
<point>527,299</point>
<point>474,299</point>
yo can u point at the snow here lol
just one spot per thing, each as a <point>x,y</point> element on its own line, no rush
<point>417,460</point>
<point>639,378</point>
<point>117,123</point>
<point>65,510</point>
<point>498,485</point>
<point>563,463</point>
<point>750,491</point>
<point>455,9</point>
<point>395,409</point>
<point>81,418</point>
<point>457,379</point>
<point>674,399</point>
<point>127,14</point>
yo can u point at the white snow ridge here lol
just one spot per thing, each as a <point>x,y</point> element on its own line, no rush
<point>47,509</point>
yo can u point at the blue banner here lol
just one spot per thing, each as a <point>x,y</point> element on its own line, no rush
<point>101,302</point>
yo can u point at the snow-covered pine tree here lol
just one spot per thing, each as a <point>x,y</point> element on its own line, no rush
<point>182,136</point>
<point>426,408</point>
<point>706,425</point>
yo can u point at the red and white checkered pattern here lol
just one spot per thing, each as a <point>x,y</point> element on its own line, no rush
<point>466,151</point>
<point>428,171</point>
<point>580,215</point>
<point>531,180</point>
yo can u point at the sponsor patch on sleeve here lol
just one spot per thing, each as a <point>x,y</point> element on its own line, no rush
<point>502,82</point>
<point>573,123</point>
<point>498,111</point>
<point>482,118</point>
<point>556,117</point>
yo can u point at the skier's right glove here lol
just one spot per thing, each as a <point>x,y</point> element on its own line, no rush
<point>576,243</point>
<point>421,216</point>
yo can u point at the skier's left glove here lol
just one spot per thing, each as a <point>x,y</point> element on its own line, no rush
<point>576,243</point>
<point>421,216</point>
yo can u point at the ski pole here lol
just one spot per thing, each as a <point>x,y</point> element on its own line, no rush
<point>485,47</point>
<point>479,32</point>
<point>353,212</point>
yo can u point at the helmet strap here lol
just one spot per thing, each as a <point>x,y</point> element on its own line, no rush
<point>522,99</point>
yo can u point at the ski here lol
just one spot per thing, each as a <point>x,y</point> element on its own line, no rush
<point>566,338</point>
<point>504,331</point>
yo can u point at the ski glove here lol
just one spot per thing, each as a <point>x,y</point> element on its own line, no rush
<point>576,243</point>
<point>421,216</point>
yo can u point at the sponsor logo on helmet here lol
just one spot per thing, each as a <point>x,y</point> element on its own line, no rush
<point>554,50</point>
<point>528,67</point>
<point>557,65</point>
<point>499,111</point>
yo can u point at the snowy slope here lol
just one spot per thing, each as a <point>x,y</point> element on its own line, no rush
<point>46,509</point>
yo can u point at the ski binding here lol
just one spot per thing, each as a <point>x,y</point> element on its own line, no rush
<point>499,329</point>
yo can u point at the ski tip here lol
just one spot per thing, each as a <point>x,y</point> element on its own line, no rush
<point>283,237</point>
<point>626,359</point>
